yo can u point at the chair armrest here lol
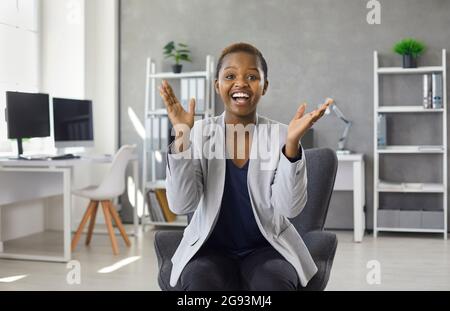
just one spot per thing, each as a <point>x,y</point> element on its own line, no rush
<point>321,245</point>
<point>166,243</point>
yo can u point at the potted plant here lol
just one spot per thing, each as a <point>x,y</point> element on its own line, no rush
<point>179,52</point>
<point>410,49</point>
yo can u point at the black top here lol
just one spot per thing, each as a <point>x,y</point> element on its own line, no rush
<point>236,231</point>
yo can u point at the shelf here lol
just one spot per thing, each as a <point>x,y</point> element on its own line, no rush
<point>418,70</point>
<point>181,221</point>
<point>158,184</point>
<point>410,220</point>
<point>171,75</point>
<point>384,186</point>
<point>398,109</point>
<point>168,224</point>
<point>424,230</point>
<point>410,149</point>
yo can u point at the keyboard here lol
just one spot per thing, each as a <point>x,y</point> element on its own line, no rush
<point>33,158</point>
<point>66,156</point>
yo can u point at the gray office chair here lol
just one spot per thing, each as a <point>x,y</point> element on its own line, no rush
<point>321,166</point>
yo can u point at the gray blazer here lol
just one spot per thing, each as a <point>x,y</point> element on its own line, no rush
<point>277,189</point>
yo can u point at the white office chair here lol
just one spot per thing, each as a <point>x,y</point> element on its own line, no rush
<point>112,186</point>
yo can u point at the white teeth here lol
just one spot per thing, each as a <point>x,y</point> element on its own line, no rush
<point>240,95</point>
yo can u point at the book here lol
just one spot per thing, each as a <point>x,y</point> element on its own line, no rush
<point>185,94</point>
<point>164,205</point>
<point>193,90</point>
<point>200,105</point>
<point>381,135</point>
<point>154,209</point>
<point>427,91</point>
<point>149,207</point>
<point>165,132</point>
<point>436,90</point>
<point>155,134</point>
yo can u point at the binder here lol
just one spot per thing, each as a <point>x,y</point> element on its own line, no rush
<point>155,135</point>
<point>381,135</point>
<point>427,91</point>
<point>165,133</point>
<point>193,88</point>
<point>200,105</point>
<point>185,94</point>
<point>437,90</point>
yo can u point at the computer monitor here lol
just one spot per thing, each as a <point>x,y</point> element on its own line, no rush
<point>72,123</point>
<point>27,115</point>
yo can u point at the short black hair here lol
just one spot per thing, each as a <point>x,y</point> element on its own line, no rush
<point>246,48</point>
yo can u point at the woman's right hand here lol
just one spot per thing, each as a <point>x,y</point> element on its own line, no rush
<point>177,115</point>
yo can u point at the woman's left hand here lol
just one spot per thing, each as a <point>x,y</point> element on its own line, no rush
<point>300,124</point>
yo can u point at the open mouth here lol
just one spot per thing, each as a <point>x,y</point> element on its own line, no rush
<point>240,98</point>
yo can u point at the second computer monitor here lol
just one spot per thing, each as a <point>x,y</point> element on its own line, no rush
<point>72,122</point>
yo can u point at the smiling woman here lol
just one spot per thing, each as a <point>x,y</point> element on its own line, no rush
<point>241,80</point>
<point>241,85</point>
<point>240,236</point>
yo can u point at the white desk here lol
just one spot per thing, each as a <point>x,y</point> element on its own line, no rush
<point>350,176</point>
<point>22,180</point>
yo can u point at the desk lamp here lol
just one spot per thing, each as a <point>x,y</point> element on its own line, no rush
<point>348,125</point>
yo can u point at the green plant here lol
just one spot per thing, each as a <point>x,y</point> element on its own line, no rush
<point>409,46</point>
<point>179,52</point>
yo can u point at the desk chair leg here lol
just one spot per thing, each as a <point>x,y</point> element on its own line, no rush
<point>110,227</point>
<point>86,216</point>
<point>119,224</point>
<point>92,223</point>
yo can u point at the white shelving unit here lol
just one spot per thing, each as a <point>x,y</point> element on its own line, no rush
<point>407,220</point>
<point>400,109</point>
<point>153,114</point>
<point>384,186</point>
<point>400,70</point>
<point>410,149</point>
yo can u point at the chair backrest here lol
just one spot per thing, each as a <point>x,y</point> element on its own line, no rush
<point>114,181</point>
<point>321,166</point>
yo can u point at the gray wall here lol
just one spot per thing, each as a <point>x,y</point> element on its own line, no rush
<point>314,49</point>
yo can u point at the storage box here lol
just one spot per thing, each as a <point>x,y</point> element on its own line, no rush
<point>410,219</point>
<point>388,218</point>
<point>432,220</point>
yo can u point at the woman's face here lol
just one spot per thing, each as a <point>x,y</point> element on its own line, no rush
<point>241,83</point>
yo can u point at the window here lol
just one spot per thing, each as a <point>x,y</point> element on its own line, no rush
<point>19,59</point>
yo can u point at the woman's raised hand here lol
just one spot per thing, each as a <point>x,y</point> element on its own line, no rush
<point>302,122</point>
<point>177,115</point>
